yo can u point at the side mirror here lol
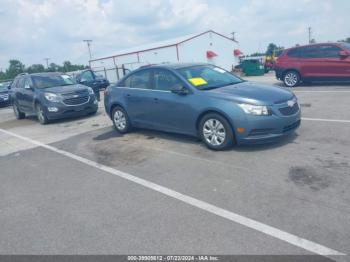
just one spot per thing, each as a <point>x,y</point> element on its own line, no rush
<point>343,54</point>
<point>179,90</point>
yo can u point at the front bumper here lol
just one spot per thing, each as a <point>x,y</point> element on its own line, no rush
<point>4,101</point>
<point>266,129</point>
<point>64,111</point>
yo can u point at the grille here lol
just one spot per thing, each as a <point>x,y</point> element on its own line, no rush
<point>76,98</point>
<point>287,111</point>
<point>4,96</point>
<point>292,126</point>
<point>260,132</point>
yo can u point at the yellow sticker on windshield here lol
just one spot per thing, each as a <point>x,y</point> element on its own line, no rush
<point>197,81</point>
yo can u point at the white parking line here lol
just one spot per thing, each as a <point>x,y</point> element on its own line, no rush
<point>321,91</point>
<point>325,120</point>
<point>242,220</point>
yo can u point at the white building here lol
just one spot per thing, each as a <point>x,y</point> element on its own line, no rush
<point>208,47</point>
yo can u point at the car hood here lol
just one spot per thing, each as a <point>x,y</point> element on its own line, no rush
<point>253,93</point>
<point>65,89</point>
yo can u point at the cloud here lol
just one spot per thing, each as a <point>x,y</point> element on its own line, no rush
<point>32,30</point>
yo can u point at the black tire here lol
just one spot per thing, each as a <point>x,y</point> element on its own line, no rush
<point>123,126</point>
<point>291,78</point>
<point>93,113</point>
<point>214,139</point>
<point>41,114</point>
<point>18,113</point>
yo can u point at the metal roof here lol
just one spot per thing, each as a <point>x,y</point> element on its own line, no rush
<point>160,44</point>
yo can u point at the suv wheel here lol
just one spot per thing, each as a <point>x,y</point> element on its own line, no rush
<point>41,114</point>
<point>216,132</point>
<point>120,120</point>
<point>291,78</point>
<point>18,113</point>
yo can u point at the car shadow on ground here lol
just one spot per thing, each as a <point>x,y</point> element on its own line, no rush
<point>160,135</point>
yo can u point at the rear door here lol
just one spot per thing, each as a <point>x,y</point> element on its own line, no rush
<point>18,93</point>
<point>311,63</point>
<point>139,99</point>
<point>27,95</point>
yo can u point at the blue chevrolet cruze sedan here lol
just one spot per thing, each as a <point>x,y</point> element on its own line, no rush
<point>202,100</point>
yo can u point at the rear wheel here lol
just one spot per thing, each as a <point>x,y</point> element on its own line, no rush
<point>216,132</point>
<point>291,78</point>
<point>41,114</point>
<point>120,120</point>
<point>18,113</point>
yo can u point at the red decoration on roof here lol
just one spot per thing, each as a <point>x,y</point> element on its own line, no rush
<point>211,54</point>
<point>237,52</point>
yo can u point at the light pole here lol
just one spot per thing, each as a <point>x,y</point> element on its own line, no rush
<point>309,29</point>
<point>88,42</point>
<point>47,62</point>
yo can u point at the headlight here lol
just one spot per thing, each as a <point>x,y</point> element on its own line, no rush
<point>91,91</point>
<point>52,97</point>
<point>255,110</point>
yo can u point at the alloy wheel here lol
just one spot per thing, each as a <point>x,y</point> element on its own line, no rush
<point>291,79</point>
<point>119,120</point>
<point>214,132</point>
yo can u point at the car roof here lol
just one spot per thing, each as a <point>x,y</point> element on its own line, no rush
<point>174,65</point>
<point>46,74</point>
<point>315,44</point>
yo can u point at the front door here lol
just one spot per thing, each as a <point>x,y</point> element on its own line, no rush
<point>172,112</point>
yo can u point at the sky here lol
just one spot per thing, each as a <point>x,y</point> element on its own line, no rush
<point>32,30</point>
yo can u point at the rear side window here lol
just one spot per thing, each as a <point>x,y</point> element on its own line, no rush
<point>87,76</point>
<point>165,80</point>
<point>293,52</point>
<point>139,79</point>
<point>309,52</point>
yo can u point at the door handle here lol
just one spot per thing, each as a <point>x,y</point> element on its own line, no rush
<point>155,99</point>
<point>128,95</point>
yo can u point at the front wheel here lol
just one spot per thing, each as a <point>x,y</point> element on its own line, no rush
<point>216,132</point>
<point>121,120</point>
<point>291,78</point>
<point>41,114</point>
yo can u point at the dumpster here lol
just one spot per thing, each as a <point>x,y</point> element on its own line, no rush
<point>252,66</point>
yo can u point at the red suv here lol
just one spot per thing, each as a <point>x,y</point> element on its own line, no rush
<point>316,62</point>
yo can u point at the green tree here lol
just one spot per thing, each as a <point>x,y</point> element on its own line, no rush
<point>35,68</point>
<point>270,49</point>
<point>347,40</point>
<point>16,67</point>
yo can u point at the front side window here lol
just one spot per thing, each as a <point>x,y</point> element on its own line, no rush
<point>329,51</point>
<point>293,52</point>
<point>206,77</point>
<point>165,80</point>
<point>46,81</point>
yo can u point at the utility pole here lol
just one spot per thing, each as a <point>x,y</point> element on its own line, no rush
<point>88,42</point>
<point>47,62</point>
<point>309,29</point>
<point>233,36</point>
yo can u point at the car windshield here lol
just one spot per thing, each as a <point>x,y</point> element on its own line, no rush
<point>207,77</point>
<point>346,46</point>
<point>46,81</point>
<point>3,86</point>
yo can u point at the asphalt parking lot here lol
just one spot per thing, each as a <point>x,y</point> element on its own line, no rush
<point>78,187</point>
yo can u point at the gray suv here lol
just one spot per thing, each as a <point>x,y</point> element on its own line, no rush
<point>51,96</point>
